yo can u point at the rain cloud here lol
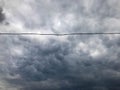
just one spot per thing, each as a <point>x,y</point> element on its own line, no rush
<point>86,62</point>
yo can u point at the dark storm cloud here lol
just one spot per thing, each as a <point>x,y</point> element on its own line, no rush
<point>66,62</point>
<point>53,66</point>
<point>2,16</point>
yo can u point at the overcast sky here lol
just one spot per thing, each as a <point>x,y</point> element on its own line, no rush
<point>86,62</point>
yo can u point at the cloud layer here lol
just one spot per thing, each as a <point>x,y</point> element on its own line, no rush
<point>60,63</point>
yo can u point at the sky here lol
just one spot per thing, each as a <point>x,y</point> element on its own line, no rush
<point>81,62</point>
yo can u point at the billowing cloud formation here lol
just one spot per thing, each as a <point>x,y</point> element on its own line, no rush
<point>66,62</point>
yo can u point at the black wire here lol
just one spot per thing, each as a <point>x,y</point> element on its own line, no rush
<point>60,34</point>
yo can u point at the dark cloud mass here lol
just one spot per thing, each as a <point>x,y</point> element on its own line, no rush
<point>2,17</point>
<point>60,62</point>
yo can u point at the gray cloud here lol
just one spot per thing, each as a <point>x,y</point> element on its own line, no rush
<point>2,16</point>
<point>66,62</point>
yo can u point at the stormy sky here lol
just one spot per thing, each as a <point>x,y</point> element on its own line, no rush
<point>84,62</point>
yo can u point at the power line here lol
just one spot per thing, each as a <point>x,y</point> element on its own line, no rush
<point>60,34</point>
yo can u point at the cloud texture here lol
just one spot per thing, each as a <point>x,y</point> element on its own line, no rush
<point>60,63</point>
